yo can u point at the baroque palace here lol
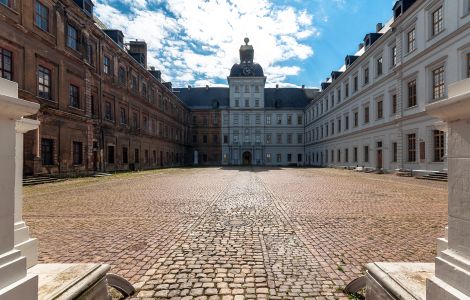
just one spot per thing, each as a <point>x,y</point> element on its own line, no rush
<point>104,109</point>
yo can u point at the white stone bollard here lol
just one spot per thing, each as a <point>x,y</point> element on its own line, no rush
<point>452,277</point>
<point>14,281</point>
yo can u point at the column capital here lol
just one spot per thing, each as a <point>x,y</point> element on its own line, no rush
<point>10,106</point>
<point>456,107</point>
<point>24,125</point>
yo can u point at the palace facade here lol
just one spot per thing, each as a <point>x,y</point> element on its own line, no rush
<point>104,109</point>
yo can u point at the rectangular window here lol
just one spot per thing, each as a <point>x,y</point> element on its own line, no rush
<point>225,139</point>
<point>437,21</point>
<point>5,2</point>
<point>346,122</point>
<point>77,153</point>
<point>268,157</point>
<point>278,158</point>
<point>136,156</point>
<point>355,154</point>
<point>356,119</point>
<point>204,139</point>
<point>44,83</point>
<point>366,76</point>
<point>346,87</point>
<point>289,138</point>
<point>394,104</point>
<point>366,115</point>
<point>412,93</point>
<point>289,157</point>
<point>380,109</point>
<point>411,147</point>
<point>74,96</point>
<point>438,83</point>
<point>125,155</point>
<point>299,157</point>
<point>339,97</point>
<point>279,138</point>
<point>338,158</point>
<point>379,66</point>
<point>258,119</point>
<point>299,120</point>
<point>47,152</point>
<point>123,116</point>
<point>247,103</point>
<point>346,155</point>
<point>300,138</point>
<point>72,37</point>
<point>237,103</point>
<point>41,17</point>
<point>256,102</point>
<point>468,65</point>
<point>268,119</point>
<point>6,64</point>
<point>411,42</point>
<point>394,56</point>
<point>439,144</point>
<point>366,154</point>
<point>395,152</point>
<point>356,84</point>
<point>107,65</point>
<point>108,111</point>
<point>90,53</point>
<point>110,154</point>
<point>122,75</point>
<point>289,120</point>
<point>279,119</point>
<point>268,138</point>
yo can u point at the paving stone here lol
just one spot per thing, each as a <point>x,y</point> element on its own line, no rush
<point>238,233</point>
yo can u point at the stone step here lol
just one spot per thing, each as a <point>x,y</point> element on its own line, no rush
<point>27,181</point>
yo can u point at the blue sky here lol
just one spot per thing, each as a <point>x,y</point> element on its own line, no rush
<point>195,42</point>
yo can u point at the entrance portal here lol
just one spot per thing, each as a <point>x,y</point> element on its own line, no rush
<point>247,158</point>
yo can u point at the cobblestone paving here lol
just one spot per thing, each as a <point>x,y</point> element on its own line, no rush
<point>238,233</point>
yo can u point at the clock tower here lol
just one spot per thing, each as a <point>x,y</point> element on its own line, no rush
<point>244,118</point>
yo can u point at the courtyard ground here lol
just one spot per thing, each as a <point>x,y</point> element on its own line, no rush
<point>235,233</point>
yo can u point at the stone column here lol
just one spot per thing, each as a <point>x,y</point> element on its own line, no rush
<point>14,281</point>
<point>23,242</point>
<point>452,277</point>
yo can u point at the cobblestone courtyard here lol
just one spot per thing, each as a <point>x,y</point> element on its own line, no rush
<point>238,233</point>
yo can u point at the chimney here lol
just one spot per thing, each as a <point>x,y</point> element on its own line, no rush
<point>379,27</point>
<point>361,45</point>
<point>303,86</point>
<point>189,87</point>
<point>277,86</point>
<point>207,87</point>
<point>152,68</point>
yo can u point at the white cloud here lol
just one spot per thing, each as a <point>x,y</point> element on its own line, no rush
<point>197,41</point>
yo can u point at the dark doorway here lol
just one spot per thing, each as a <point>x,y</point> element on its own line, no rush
<point>379,159</point>
<point>247,158</point>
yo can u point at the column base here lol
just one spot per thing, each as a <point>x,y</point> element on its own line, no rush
<point>452,279</point>
<point>27,245</point>
<point>14,282</point>
<point>437,289</point>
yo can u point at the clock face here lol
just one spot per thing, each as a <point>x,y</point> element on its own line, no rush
<point>247,71</point>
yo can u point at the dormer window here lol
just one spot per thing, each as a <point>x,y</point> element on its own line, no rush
<point>86,6</point>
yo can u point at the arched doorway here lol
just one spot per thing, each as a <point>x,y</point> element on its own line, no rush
<point>247,158</point>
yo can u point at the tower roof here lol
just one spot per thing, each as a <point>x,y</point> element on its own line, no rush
<point>246,67</point>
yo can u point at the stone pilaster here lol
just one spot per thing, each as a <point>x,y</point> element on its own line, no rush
<point>14,281</point>
<point>23,242</point>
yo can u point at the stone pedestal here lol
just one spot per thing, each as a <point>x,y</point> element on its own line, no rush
<point>15,283</point>
<point>452,278</point>
<point>23,242</point>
